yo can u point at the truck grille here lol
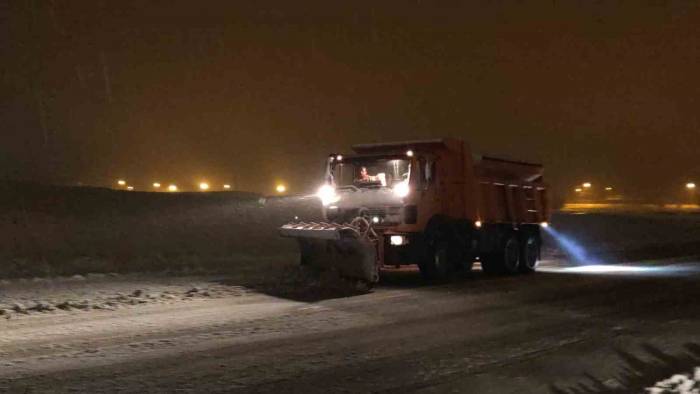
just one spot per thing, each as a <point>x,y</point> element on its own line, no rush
<point>387,215</point>
<point>381,212</point>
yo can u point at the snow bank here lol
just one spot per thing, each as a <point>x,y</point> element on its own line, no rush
<point>679,383</point>
<point>22,297</point>
<point>50,231</point>
<point>611,238</point>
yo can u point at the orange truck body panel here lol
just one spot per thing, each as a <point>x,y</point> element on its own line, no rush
<point>475,188</point>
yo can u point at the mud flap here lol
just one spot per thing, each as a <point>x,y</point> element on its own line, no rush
<point>340,248</point>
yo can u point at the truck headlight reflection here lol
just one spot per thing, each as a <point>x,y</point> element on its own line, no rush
<point>401,189</point>
<point>327,195</point>
<point>398,240</point>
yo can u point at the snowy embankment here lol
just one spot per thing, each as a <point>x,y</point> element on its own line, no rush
<point>60,231</point>
<point>82,293</point>
<point>22,297</point>
<point>617,237</point>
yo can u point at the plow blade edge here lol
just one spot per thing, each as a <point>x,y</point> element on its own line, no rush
<point>341,248</point>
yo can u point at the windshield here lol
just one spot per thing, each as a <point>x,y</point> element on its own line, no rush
<point>371,172</point>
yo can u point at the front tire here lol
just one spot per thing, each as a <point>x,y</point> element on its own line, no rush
<point>438,262</point>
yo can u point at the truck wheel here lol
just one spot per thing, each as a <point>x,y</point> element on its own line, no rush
<point>437,262</point>
<point>505,260</point>
<point>529,254</point>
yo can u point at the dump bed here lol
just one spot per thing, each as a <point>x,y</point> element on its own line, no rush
<point>510,191</point>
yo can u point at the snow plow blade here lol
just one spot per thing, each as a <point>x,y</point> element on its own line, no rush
<point>349,249</point>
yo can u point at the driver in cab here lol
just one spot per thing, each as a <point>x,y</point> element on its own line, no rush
<point>366,178</point>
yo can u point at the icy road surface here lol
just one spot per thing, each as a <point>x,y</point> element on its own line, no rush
<point>551,332</point>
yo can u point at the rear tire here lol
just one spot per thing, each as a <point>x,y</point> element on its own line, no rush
<point>505,260</point>
<point>529,254</point>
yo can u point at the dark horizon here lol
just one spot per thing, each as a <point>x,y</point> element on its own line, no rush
<point>249,96</point>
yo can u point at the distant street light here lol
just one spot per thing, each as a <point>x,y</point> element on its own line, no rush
<point>227,186</point>
<point>587,185</point>
<point>156,185</point>
<point>608,188</point>
<point>203,186</point>
<point>690,185</point>
<point>121,182</point>
<point>281,188</point>
<point>578,190</point>
<point>129,188</point>
<point>172,188</point>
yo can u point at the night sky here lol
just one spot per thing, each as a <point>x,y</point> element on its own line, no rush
<point>183,91</point>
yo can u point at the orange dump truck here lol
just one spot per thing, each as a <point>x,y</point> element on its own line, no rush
<point>431,203</point>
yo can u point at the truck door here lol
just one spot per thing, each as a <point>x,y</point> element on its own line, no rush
<point>430,201</point>
<point>453,185</point>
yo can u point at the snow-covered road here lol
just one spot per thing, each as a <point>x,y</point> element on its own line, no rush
<point>548,332</point>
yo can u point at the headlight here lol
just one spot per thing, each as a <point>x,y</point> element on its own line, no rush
<point>401,189</point>
<point>398,240</point>
<point>327,195</point>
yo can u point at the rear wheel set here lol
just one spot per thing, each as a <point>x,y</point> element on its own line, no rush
<point>512,256</point>
<point>506,258</point>
<point>442,258</point>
